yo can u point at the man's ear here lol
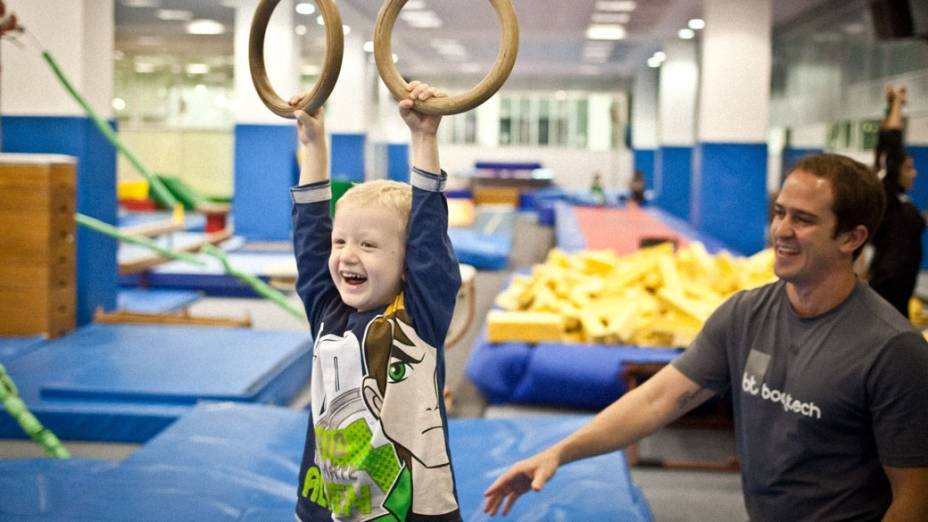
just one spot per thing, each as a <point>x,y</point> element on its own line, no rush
<point>372,398</point>
<point>854,238</point>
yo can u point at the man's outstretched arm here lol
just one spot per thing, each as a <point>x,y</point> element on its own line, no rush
<point>640,412</point>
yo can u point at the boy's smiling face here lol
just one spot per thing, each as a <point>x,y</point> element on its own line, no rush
<point>368,254</point>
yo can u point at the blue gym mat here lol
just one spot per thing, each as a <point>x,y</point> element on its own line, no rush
<point>151,300</point>
<point>127,382</point>
<point>585,376</point>
<point>234,462</point>
<point>13,347</point>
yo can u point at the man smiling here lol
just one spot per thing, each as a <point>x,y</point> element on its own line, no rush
<point>827,379</point>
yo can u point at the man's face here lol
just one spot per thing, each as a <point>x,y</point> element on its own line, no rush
<point>803,230</point>
<point>367,258</point>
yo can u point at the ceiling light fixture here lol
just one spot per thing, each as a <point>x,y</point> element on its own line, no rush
<point>300,30</point>
<point>616,5</point>
<point>659,56</point>
<point>197,68</point>
<point>605,32</point>
<point>141,3</point>
<point>414,4</point>
<point>686,33</point>
<point>305,8</point>
<point>174,15</point>
<point>368,46</point>
<point>654,64</point>
<point>205,26</point>
<point>611,18</point>
<point>346,30</point>
<point>696,24</point>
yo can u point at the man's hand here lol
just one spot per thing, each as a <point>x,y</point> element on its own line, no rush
<point>311,124</point>
<point>418,123</point>
<point>531,473</point>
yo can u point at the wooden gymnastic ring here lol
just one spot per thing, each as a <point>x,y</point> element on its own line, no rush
<point>332,64</point>
<point>509,48</point>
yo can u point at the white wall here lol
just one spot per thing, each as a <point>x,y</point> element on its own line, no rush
<point>572,168</point>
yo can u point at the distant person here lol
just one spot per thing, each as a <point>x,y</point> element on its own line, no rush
<point>828,382</point>
<point>897,244</point>
<point>636,188</point>
<point>597,193</point>
<point>379,282</point>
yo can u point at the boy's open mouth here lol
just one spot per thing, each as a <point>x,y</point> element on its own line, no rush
<point>353,278</point>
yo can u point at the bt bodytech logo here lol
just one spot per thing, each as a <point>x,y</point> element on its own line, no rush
<point>749,385</point>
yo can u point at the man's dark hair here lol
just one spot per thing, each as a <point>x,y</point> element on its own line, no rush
<point>859,198</point>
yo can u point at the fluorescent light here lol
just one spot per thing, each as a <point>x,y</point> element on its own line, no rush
<point>605,32</point>
<point>141,3</point>
<point>305,8</point>
<point>320,20</point>
<point>414,4</point>
<point>368,46</point>
<point>660,56</point>
<point>205,26</point>
<point>174,15</point>
<point>395,58</point>
<point>611,18</point>
<point>686,33</point>
<point>616,5</point>
<point>345,30</point>
<point>310,70</point>
<point>119,104</point>
<point>197,68</point>
<point>654,64</point>
<point>696,24</point>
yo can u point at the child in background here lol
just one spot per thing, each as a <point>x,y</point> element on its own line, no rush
<point>379,283</point>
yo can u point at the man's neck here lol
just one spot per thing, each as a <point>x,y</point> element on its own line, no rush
<point>809,300</point>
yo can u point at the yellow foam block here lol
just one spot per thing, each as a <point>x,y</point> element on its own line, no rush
<point>533,327</point>
<point>134,190</point>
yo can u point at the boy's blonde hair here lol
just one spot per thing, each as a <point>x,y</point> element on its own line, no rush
<point>386,193</point>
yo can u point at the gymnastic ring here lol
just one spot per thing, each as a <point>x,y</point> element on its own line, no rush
<point>331,66</point>
<point>509,48</point>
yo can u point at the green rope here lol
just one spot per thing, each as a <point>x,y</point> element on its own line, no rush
<point>9,397</point>
<point>110,230</point>
<point>260,287</point>
<point>161,192</point>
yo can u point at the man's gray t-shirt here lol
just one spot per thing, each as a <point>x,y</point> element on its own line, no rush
<point>821,403</point>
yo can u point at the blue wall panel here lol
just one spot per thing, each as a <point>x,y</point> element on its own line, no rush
<point>674,165</point>
<point>644,161</point>
<point>265,169</point>
<point>96,195</point>
<point>919,191</point>
<point>730,187</point>
<point>347,157</point>
<point>398,162</point>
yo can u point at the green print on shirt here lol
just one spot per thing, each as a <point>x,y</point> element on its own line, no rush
<point>350,448</point>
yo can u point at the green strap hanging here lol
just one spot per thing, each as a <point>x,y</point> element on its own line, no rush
<point>14,405</point>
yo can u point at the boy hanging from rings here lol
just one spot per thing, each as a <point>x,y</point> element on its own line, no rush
<point>379,283</point>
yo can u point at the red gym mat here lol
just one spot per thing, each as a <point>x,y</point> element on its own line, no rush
<point>622,229</point>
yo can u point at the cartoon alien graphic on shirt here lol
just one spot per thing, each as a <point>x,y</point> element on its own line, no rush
<point>380,439</point>
<point>401,391</point>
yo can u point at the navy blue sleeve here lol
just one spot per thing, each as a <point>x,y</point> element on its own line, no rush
<point>312,242</point>
<point>432,273</point>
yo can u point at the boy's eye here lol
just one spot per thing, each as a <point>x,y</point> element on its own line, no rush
<point>338,241</point>
<point>368,244</point>
<point>398,371</point>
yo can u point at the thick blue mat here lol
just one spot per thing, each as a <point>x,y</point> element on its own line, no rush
<point>151,300</point>
<point>226,462</point>
<point>585,376</point>
<point>128,382</point>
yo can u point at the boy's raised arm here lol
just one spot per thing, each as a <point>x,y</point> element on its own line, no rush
<point>314,164</point>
